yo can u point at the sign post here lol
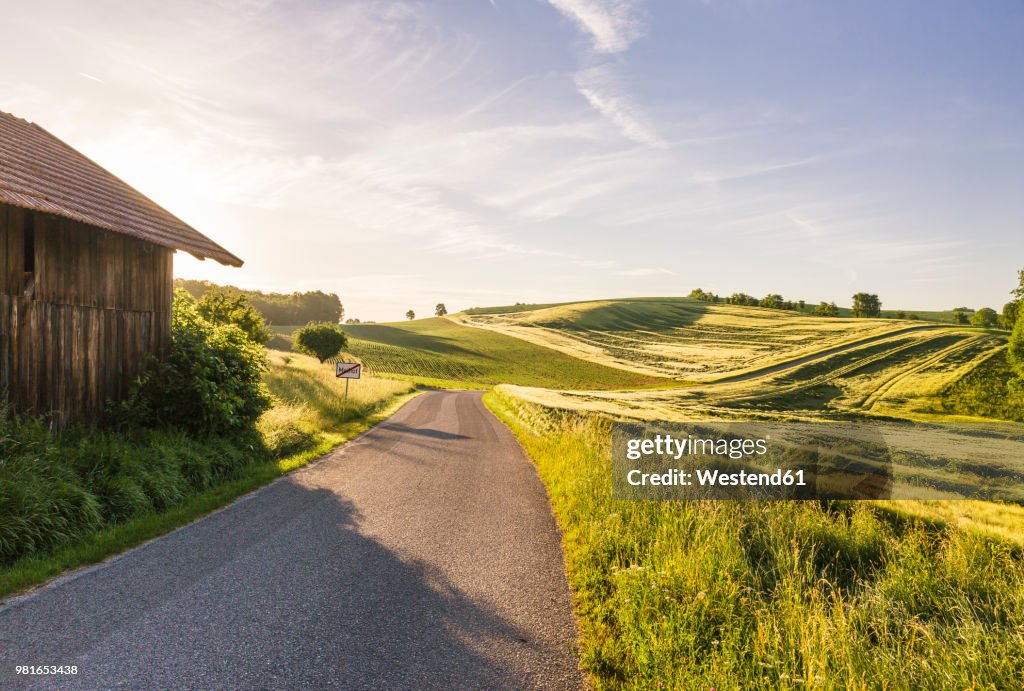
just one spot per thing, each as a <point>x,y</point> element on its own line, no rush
<point>346,371</point>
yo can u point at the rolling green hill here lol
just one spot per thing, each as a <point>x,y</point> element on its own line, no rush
<point>442,352</point>
<point>672,357</point>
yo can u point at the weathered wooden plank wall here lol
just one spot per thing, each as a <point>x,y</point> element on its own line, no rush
<point>76,331</point>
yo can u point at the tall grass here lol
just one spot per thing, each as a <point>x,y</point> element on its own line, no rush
<point>58,490</point>
<point>991,389</point>
<point>768,595</point>
<point>298,380</point>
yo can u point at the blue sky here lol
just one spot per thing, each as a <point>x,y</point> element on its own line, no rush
<point>479,153</point>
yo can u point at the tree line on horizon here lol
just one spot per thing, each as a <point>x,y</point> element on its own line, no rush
<point>868,305</point>
<point>277,308</point>
<point>864,304</point>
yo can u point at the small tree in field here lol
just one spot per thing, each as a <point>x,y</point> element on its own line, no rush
<point>985,317</point>
<point>440,310</point>
<point>866,305</point>
<point>410,315</point>
<point>960,317</point>
<point>827,309</point>
<point>322,340</point>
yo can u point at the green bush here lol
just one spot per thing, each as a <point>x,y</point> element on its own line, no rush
<point>985,317</point>
<point>209,384</point>
<point>1016,348</point>
<point>226,306</point>
<point>322,340</point>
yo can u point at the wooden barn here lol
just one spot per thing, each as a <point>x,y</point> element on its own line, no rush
<point>85,277</point>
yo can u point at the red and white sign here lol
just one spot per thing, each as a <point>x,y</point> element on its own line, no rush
<point>348,370</point>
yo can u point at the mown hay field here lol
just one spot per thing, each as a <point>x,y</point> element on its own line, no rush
<point>682,338</point>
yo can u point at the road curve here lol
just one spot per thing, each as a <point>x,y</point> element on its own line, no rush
<point>421,555</point>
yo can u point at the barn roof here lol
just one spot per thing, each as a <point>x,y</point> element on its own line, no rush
<point>42,173</point>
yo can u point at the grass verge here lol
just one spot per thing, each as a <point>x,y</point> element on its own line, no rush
<point>768,595</point>
<point>79,499</point>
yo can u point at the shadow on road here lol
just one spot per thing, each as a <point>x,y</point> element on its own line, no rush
<point>279,590</point>
<point>422,431</point>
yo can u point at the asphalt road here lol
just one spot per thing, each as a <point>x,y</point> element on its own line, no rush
<point>421,555</point>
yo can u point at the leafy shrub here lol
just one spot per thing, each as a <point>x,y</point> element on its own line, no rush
<point>985,317</point>
<point>227,306</point>
<point>1016,348</point>
<point>209,384</point>
<point>322,340</point>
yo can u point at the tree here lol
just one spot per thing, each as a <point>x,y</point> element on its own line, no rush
<point>322,340</point>
<point>960,317</point>
<point>440,310</point>
<point>985,317</point>
<point>1018,292</point>
<point>901,315</point>
<point>1008,318</point>
<point>741,299</point>
<point>773,301</point>
<point>410,315</point>
<point>1016,348</point>
<point>866,305</point>
<point>801,304</point>
<point>279,308</point>
<point>229,306</point>
<point>827,309</point>
<point>703,295</point>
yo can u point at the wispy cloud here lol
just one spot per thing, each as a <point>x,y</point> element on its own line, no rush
<point>602,88</point>
<point>613,25</point>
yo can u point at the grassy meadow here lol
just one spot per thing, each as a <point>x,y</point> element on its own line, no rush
<point>768,595</point>
<point>77,497</point>
<point>439,351</point>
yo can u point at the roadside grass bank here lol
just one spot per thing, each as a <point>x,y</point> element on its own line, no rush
<point>768,595</point>
<point>78,497</point>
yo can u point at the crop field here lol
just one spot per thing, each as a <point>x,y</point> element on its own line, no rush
<point>682,338</point>
<point>747,362</point>
<point>902,376</point>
